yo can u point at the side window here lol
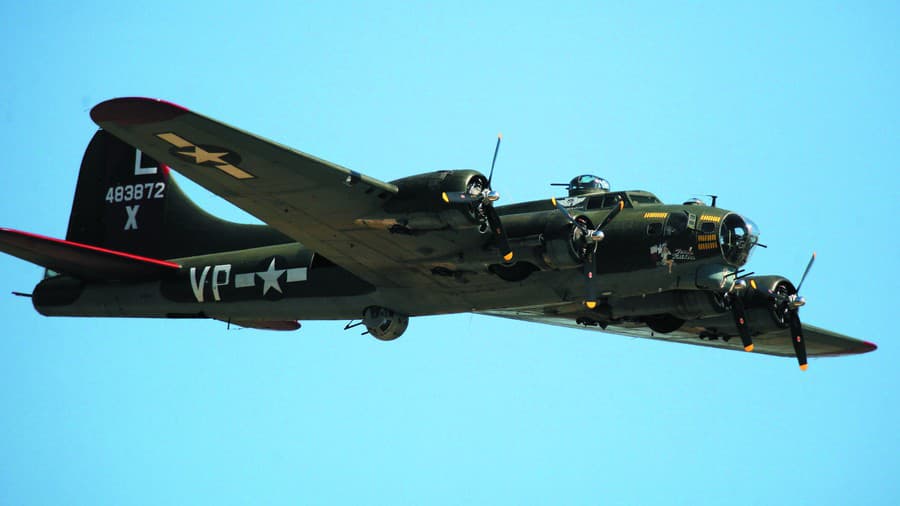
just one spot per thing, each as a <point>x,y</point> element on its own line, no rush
<point>708,227</point>
<point>676,224</point>
<point>654,228</point>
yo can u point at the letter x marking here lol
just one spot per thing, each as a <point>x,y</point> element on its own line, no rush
<point>131,222</point>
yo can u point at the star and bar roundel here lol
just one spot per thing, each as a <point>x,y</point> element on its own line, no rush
<point>206,155</point>
<point>271,277</point>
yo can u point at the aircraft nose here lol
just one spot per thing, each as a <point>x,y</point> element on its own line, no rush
<point>737,236</point>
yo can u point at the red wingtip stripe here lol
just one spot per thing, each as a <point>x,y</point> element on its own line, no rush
<point>161,263</point>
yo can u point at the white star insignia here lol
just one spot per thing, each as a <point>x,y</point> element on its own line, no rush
<point>270,278</point>
<point>200,155</point>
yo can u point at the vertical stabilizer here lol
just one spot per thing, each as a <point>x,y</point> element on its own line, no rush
<point>127,201</point>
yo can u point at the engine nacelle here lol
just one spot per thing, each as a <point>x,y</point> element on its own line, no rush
<point>763,299</point>
<point>420,198</point>
<point>384,324</point>
<point>565,247</point>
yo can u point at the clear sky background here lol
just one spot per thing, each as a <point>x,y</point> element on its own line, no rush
<point>788,112</point>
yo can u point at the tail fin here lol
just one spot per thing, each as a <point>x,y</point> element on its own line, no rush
<point>126,201</point>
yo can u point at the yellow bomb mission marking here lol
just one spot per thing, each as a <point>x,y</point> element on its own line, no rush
<point>201,156</point>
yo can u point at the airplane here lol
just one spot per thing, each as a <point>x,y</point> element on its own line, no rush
<point>340,245</point>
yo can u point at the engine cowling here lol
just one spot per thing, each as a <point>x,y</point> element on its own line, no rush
<point>763,297</point>
<point>420,198</point>
<point>384,324</point>
<point>564,247</point>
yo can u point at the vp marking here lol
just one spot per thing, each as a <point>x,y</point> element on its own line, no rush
<point>221,275</point>
<point>131,221</point>
<point>217,276</point>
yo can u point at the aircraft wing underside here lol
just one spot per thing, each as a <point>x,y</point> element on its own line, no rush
<point>819,342</point>
<point>311,200</point>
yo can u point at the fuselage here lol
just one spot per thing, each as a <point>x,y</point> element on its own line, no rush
<point>655,259</point>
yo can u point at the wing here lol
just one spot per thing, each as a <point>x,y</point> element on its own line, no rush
<point>819,342</point>
<point>315,202</point>
<point>81,260</point>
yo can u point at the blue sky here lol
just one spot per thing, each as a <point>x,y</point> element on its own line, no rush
<point>788,112</point>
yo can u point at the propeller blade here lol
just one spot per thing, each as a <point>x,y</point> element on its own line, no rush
<point>496,150</point>
<point>612,214</point>
<point>808,267</point>
<point>457,198</point>
<point>740,320</point>
<point>499,233</point>
<point>797,337</point>
<point>565,212</point>
<point>589,268</point>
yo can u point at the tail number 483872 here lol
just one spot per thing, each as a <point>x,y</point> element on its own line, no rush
<point>132,192</point>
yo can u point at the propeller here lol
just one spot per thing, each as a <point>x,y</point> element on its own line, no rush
<point>792,304</point>
<point>787,304</point>
<point>738,312</point>
<point>589,239</point>
<point>482,198</point>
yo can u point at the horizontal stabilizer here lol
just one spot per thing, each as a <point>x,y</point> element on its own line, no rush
<point>82,261</point>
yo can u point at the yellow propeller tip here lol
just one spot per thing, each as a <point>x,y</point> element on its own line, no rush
<point>499,135</point>
<point>749,347</point>
<point>804,367</point>
<point>445,198</point>
<point>508,256</point>
<point>591,304</point>
<point>553,201</point>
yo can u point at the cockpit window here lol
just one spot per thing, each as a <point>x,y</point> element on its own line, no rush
<point>604,201</point>
<point>638,199</point>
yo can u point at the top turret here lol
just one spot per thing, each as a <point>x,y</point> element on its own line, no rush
<point>584,184</point>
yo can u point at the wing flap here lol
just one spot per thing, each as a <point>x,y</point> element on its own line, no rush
<point>82,261</point>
